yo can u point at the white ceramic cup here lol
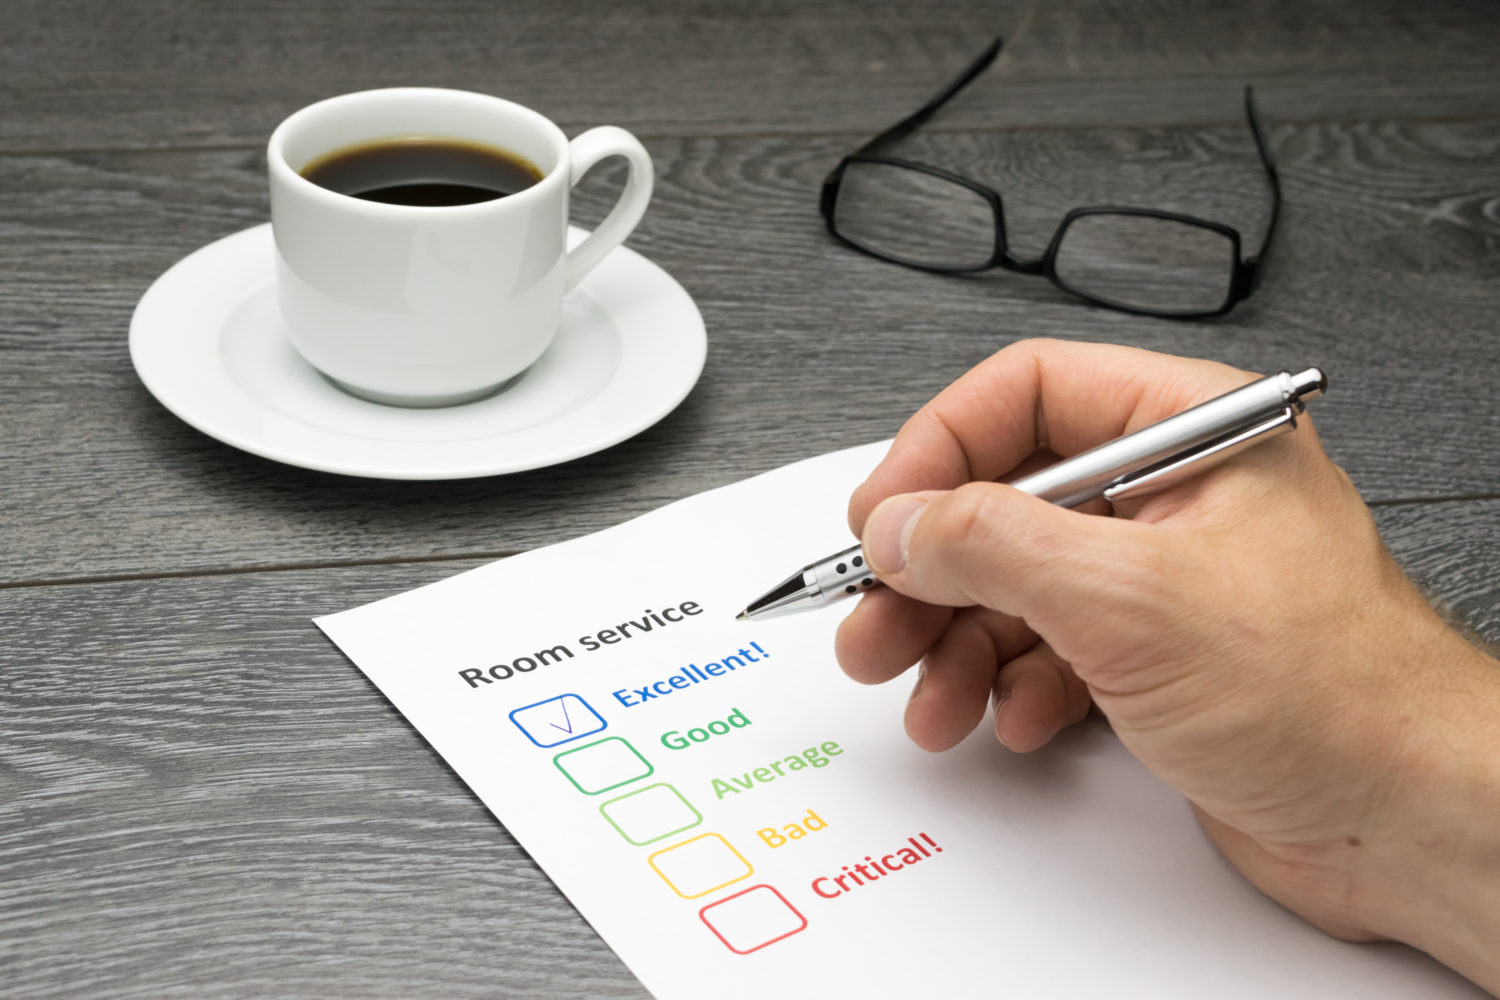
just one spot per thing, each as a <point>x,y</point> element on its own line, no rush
<point>431,306</point>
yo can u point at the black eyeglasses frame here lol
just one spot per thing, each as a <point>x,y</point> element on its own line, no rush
<point>1246,272</point>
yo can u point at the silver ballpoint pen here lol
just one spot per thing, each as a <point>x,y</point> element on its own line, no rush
<point>1148,460</point>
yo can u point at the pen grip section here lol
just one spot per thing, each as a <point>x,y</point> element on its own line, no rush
<point>843,574</point>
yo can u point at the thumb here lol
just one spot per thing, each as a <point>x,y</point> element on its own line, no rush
<point>992,545</point>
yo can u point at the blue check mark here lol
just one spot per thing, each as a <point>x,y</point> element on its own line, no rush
<point>539,720</point>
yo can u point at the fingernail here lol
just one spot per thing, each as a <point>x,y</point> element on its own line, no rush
<point>1001,700</point>
<point>888,532</point>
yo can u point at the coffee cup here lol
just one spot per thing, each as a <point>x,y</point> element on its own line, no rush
<point>433,304</point>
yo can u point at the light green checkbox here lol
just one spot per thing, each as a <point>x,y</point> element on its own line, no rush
<point>651,814</point>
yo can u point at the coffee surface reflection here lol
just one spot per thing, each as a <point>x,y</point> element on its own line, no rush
<point>423,171</point>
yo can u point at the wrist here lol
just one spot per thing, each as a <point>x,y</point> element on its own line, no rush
<point>1433,879</point>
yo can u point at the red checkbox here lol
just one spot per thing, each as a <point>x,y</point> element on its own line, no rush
<point>753,918</point>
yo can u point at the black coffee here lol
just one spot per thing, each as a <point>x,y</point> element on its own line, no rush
<point>423,171</point>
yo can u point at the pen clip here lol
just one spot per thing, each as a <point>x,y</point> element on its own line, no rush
<point>1187,464</point>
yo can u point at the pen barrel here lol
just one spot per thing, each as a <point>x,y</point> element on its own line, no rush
<point>1087,475</point>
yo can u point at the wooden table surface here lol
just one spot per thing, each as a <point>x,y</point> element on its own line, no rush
<point>199,796</point>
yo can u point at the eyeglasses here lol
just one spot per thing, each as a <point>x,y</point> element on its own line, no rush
<point>1138,260</point>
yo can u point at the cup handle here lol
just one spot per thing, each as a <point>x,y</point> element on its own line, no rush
<point>585,151</point>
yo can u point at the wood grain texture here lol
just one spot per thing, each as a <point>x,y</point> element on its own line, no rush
<point>225,807</point>
<point>152,73</point>
<point>1384,273</point>
<point>199,796</point>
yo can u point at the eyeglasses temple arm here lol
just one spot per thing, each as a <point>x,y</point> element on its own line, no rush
<point>908,124</point>
<point>1275,182</point>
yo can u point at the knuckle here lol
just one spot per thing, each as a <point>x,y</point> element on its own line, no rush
<point>971,538</point>
<point>975,516</point>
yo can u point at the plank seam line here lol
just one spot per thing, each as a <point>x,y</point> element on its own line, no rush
<point>295,567</point>
<point>1414,501</point>
<point>854,134</point>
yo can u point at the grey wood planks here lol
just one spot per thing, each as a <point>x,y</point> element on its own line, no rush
<point>85,74</point>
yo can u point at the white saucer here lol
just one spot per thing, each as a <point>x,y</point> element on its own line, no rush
<point>208,340</point>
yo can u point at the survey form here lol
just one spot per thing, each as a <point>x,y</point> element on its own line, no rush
<point>736,818</point>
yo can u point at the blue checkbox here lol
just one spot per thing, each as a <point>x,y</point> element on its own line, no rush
<point>558,720</point>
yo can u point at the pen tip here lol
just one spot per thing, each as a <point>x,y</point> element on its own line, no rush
<point>743,616</point>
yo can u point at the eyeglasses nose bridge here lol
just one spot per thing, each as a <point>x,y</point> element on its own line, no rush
<point>1018,266</point>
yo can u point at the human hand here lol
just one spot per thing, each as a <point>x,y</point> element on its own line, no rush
<point>1246,633</point>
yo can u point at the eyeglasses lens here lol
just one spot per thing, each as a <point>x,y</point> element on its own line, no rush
<point>914,217</point>
<point>1143,262</point>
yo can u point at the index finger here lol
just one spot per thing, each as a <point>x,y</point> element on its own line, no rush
<point>1064,396</point>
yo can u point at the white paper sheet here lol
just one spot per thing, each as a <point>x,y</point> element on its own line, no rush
<point>731,866</point>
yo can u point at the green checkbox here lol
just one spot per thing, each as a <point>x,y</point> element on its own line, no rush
<point>598,767</point>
